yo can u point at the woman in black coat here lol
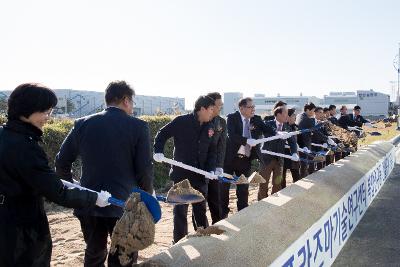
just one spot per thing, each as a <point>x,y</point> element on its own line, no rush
<point>25,178</point>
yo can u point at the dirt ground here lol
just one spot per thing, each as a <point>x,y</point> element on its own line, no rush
<point>69,247</point>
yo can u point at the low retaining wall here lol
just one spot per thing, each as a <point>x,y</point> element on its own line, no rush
<point>305,224</point>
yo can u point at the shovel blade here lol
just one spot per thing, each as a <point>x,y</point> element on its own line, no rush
<point>184,199</point>
<point>151,203</point>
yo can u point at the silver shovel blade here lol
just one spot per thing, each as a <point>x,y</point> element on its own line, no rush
<point>184,199</point>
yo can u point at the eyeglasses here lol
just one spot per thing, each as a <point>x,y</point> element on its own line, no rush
<point>251,107</point>
<point>48,112</point>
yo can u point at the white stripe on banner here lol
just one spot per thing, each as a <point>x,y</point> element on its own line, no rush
<point>322,242</point>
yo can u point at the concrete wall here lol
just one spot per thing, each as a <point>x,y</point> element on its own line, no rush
<point>304,223</point>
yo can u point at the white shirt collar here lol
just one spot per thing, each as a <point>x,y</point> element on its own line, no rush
<point>243,118</point>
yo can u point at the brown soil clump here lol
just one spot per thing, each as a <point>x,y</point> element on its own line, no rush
<point>211,230</point>
<point>242,180</point>
<point>319,158</point>
<point>256,178</point>
<point>348,138</point>
<point>183,188</point>
<point>134,231</point>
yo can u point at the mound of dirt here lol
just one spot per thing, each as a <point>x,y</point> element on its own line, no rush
<point>181,189</point>
<point>242,180</point>
<point>134,231</point>
<point>211,230</point>
<point>256,178</point>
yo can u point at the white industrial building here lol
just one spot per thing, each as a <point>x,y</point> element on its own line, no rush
<point>78,103</point>
<point>348,99</point>
<point>264,104</point>
<point>373,103</point>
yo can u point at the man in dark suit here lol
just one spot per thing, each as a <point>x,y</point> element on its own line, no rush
<point>116,156</point>
<point>319,136</point>
<point>344,121</point>
<point>274,164</point>
<point>332,112</point>
<point>242,127</point>
<point>306,120</point>
<point>219,140</point>
<point>356,117</point>
<point>279,103</point>
<point>193,145</point>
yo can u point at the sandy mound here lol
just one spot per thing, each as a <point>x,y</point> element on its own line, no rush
<point>181,189</point>
<point>242,180</point>
<point>211,230</point>
<point>346,137</point>
<point>134,231</point>
<point>256,178</point>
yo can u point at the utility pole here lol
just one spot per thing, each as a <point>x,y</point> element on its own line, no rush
<point>396,65</point>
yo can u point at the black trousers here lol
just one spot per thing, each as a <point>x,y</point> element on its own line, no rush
<point>95,232</point>
<point>24,239</point>
<point>199,210</point>
<point>295,175</point>
<point>238,166</point>
<point>214,200</point>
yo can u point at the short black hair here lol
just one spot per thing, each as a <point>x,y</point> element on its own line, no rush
<point>29,98</point>
<point>357,108</point>
<point>203,102</point>
<point>326,109</point>
<point>279,103</point>
<point>309,106</point>
<point>214,95</point>
<point>278,110</point>
<point>291,111</point>
<point>343,107</point>
<point>243,101</point>
<point>116,91</point>
<point>318,109</point>
<point>332,107</point>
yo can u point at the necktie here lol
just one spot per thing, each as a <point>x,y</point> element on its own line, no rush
<point>247,134</point>
<point>279,126</point>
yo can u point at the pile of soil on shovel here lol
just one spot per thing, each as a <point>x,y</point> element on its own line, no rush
<point>242,180</point>
<point>134,231</point>
<point>211,230</point>
<point>183,188</point>
<point>348,138</point>
<point>319,158</point>
<point>257,179</point>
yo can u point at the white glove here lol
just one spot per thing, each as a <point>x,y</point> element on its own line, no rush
<point>211,176</point>
<point>154,194</point>
<point>219,171</point>
<point>283,135</point>
<point>331,142</point>
<point>159,157</point>
<point>325,145</point>
<point>76,182</point>
<point>306,150</point>
<point>251,142</point>
<point>102,199</point>
<point>368,124</point>
<point>295,157</point>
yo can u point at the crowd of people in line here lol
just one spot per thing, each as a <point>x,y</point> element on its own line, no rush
<point>115,151</point>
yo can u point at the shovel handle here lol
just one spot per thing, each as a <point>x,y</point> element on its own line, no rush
<point>111,200</point>
<point>116,202</point>
<point>161,198</point>
<point>279,155</point>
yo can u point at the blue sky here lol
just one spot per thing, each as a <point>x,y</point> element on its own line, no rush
<point>187,48</point>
